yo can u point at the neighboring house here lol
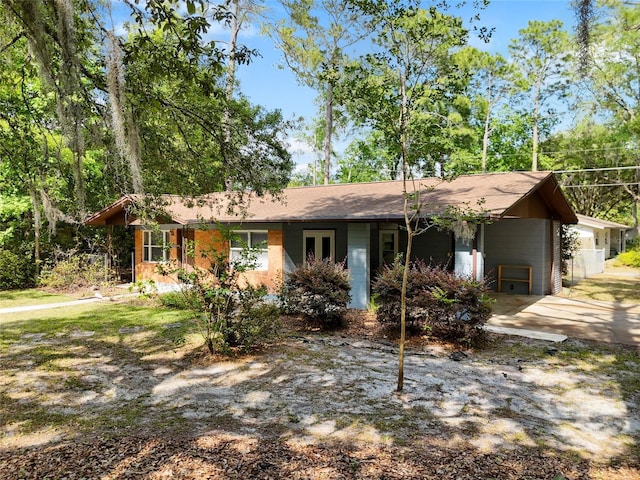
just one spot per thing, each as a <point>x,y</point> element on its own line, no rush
<point>597,234</point>
<point>363,225</point>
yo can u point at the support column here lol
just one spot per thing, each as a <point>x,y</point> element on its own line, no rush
<point>358,262</point>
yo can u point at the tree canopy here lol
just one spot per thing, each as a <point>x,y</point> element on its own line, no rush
<point>89,114</point>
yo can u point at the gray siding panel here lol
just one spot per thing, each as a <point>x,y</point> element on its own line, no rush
<point>519,242</point>
<point>433,246</point>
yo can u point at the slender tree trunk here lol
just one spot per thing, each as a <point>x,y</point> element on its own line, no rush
<point>485,139</point>
<point>403,308</point>
<point>404,127</point>
<point>636,225</point>
<point>37,225</point>
<point>536,120</point>
<point>328,117</point>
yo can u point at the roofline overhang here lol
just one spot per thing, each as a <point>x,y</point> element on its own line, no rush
<point>550,177</point>
<point>119,207</point>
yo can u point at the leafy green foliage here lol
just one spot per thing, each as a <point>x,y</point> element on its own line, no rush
<point>16,271</point>
<point>543,56</point>
<point>570,245</point>
<point>630,258</point>
<point>80,103</point>
<point>449,307</point>
<point>73,270</point>
<point>408,88</point>
<point>315,40</point>
<point>368,160</point>
<point>228,312</point>
<point>318,290</point>
<point>175,300</point>
<point>608,149</point>
<point>144,288</point>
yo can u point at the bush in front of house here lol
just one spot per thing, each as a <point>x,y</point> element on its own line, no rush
<point>73,270</point>
<point>229,314</point>
<point>16,271</point>
<point>317,290</point>
<point>255,321</point>
<point>447,306</point>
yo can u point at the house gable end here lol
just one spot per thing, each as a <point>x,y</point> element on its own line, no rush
<point>546,200</point>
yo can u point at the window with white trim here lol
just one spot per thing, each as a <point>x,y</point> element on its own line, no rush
<point>155,245</point>
<point>256,241</point>
<point>388,246</point>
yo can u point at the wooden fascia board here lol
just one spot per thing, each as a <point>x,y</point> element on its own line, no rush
<point>100,218</point>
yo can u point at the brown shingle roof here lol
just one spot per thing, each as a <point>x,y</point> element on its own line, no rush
<point>372,201</point>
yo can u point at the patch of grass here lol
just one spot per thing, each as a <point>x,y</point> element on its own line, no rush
<point>512,349</point>
<point>103,320</point>
<point>607,289</point>
<point>75,383</point>
<point>616,357</point>
<point>32,296</point>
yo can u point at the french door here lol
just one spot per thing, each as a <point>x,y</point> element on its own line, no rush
<point>319,244</point>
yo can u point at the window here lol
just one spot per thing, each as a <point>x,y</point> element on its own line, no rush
<point>155,245</point>
<point>256,241</point>
<point>319,243</point>
<point>388,246</point>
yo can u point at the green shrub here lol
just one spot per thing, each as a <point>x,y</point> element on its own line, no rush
<point>174,300</point>
<point>75,270</point>
<point>449,307</point>
<point>318,290</point>
<point>16,271</point>
<point>630,258</point>
<point>145,289</point>
<point>228,313</point>
<point>254,322</point>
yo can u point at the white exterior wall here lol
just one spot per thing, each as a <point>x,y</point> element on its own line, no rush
<point>463,257</point>
<point>586,236</point>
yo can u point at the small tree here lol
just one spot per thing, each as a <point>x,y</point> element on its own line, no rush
<point>228,312</point>
<point>399,89</point>
<point>570,245</point>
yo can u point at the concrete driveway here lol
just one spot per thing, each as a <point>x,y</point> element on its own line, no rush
<point>588,319</point>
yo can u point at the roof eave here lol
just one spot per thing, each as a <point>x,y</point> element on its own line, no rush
<point>567,215</point>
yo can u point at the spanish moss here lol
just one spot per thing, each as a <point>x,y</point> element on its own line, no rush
<point>124,127</point>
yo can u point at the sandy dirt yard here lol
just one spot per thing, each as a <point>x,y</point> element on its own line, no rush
<point>315,405</point>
